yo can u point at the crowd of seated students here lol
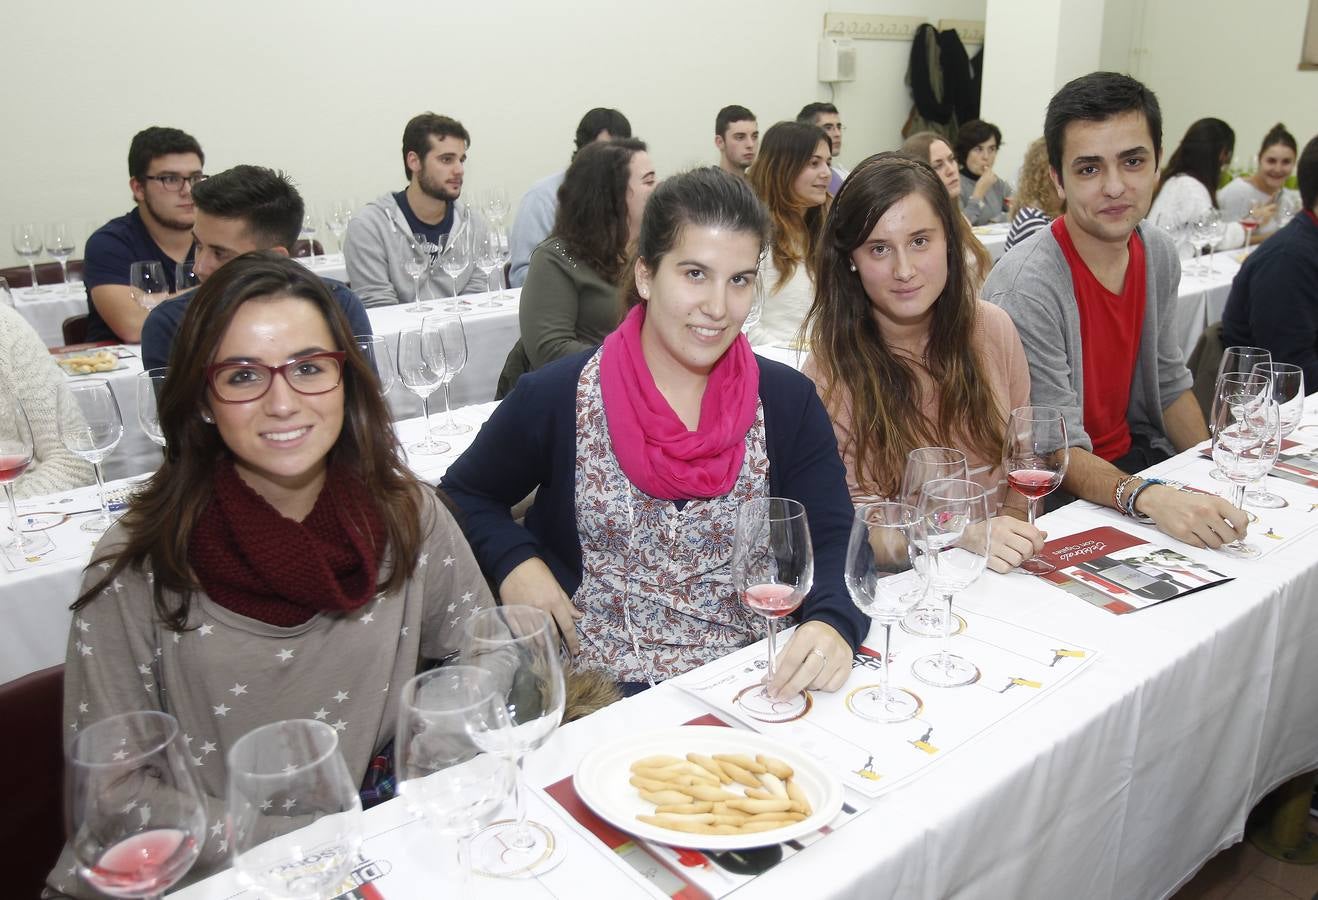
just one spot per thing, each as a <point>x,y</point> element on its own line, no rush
<point>283,541</point>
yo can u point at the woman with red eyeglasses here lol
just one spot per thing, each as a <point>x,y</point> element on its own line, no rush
<point>282,563</point>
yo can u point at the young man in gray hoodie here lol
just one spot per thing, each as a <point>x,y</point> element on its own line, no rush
<point>383,237</point>
<point>1093,297</point>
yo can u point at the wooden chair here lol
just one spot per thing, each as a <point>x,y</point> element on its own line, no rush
<point>74,329</point>
<point>32,773</point>
<point>303,247</point>
<point>1203,363</point>
<point>47,273</point>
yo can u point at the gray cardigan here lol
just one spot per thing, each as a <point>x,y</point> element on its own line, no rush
<point>1033,284</point>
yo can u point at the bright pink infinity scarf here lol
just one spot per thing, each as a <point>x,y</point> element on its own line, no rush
<point>654,448</point>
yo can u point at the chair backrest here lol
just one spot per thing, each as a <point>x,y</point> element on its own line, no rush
<point>47,273</point>
<point>304,247</point>
<point>1203,364</point>
<point>32,779</point>
<point>75,329</point>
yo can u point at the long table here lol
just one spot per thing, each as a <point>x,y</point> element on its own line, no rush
<point>1122,783</point>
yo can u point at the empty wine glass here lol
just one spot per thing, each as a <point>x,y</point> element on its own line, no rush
<point>185,275</point>
<point>293,814</point>
<point>520,647</point>
<point>1287,391</point>
<point>1035,455</point>
<point>149,385</point>
<point>487,260</point>
<point>446,349</point>
<point>773,569</point>
<point>1215,232</point>
<point>376,350</point>
<point>955,514</point>
<point>496,204</point>
<point>415,265</point>
<point>136,818</point>
<point>146,278</point>
<point>454,259</point>
<point>505,254</point>
<point>60,244</point>
<point>923,465</point>
<point>445,716</point>
<point>416,374</point>
<point>16,450</point>
<point>886,575</point>
<point>90,426</point>
<point>308,232</point>
<point>1246,438</point>
<point>27,244</point>
<point>1239,360</point>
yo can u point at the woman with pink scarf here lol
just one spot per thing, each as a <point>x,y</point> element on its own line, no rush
<point>640,453</point>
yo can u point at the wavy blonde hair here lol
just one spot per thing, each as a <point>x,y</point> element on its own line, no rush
<point>1036,187</point>
<point>784,152</point>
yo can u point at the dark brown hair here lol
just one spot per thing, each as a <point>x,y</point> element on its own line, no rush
<point>592,206</point>
<point>784,152</point>
<point>161,518</point>
<point>855,361</point>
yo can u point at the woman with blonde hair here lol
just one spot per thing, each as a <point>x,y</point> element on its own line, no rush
<point>791,177</point>
<point>902,353</point>
<point>1035,203</point>
<point>934,149</point>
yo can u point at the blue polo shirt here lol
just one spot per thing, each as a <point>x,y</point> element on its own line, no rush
<point>111,251</point>
<point>162,324</point>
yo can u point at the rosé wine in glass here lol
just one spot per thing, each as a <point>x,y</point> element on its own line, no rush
<point>144,864</point>
<point>772,600</point>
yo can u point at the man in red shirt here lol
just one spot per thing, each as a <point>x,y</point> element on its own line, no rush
<point>1090,296</point>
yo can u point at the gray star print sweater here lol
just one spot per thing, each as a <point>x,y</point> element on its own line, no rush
<point>228,674</point>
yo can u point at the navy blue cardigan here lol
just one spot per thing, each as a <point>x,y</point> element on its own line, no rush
<point>530,442</point>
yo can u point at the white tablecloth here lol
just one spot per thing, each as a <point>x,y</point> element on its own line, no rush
<point>46,310</point>
<point>331,265</point>
<point>994,238</point>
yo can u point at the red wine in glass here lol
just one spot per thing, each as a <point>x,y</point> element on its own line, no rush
<point>144,864</point>
<point>1035,455</point>
<point>773,601</point>
<point>1249,222</point>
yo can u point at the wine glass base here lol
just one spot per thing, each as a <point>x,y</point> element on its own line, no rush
<point>495,853</point>
<point>869,702</point>
<point>35,545</point>
<point>420,308</point>
<point>491,303</point>
<point>1240,550</point>
<point>756,703</point>
<point>928,622</point>
<point>97,523</point>
<point>1265,499</point>
<point>1217,475</point>
<point>427,447</point>
<point>448,430</point>
<point>945,670</point>
<point>1037,565</point>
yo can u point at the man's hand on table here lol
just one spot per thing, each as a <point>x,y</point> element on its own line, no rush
<point>1200,520</point>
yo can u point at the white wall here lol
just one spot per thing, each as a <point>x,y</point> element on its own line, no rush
<point>322,88</point>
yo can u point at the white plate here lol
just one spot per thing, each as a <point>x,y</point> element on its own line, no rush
<point>602,781</point>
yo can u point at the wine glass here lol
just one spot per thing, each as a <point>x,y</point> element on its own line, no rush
<point>1287,207</point>
<point>293,816</point>
<point>1250,221</point>
<point>147,280</point>
<point>446,351</point>
<point>60,244</point>
<point>505,254</point>
<point>27,244</point>
<point>886,575</point>
<point>445,716</point>
<point>376,350</point>
<point>185,275</point>
<point>1035,455</point>
<point>336,220</point>
<point>496,204</point>
<point>416,374</point>
<point>923,465</point>
<point>487,259</point>
<point>520,647</point>
<point>955,513</point>
<point>1215,232</point>
<point>90,426</point>
<point>135,815</point>
<point>308,232</point>
<point>149,385</point>
<point>1287,391</point>
<point>16,451</point>
<point>1246,431</point>
<point>1239,360</point>
<point>454,260</point>
<point>415,265</point>
<point>773,568</point>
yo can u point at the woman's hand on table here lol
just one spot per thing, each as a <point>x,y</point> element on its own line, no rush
<point>532,584</point>
<point>816,658</point>
<point>1011,542</point>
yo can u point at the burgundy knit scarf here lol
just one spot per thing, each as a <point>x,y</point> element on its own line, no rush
<point>254,561</point>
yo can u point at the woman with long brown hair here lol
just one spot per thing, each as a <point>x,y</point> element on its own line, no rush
<point>791,177</point>
<point>282,562</point>
<point>902,353</point>
<point>934,149</point>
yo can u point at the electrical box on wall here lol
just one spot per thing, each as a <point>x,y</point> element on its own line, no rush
<point>837,60</point>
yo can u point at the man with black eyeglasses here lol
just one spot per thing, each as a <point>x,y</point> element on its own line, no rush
<point>163,165</point>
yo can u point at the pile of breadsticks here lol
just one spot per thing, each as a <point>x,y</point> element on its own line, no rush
<point>726,793</point>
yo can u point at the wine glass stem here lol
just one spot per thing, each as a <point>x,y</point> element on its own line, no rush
<point>32,268</point>
<point>64,269</point>
<point>13,517</point>
<point>425,413</point>
<point>448,411</point>
<point>521,837</point>
<point>947,626</point>
<point>416,290</point>
<point>1030,503</point>
<point>883,671</point>
<point>772,624</point>
<point>100,490</point>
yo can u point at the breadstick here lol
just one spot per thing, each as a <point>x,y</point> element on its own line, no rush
<point>689,807</point>
<point>740,775</point>
<point>751,827</point>
<point>689,827</point>
<point>759,793</point>
<point>742,760</point>
<point>798,797</point>
<point>712,794</point>
<point>775,766</point>
<point>685,770</point>
<point>760,806</point>
<point>655,762</point>
<point>711,765</point>
<point>784,817</point>
<point>773,783</point>
<point>665,798</point>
